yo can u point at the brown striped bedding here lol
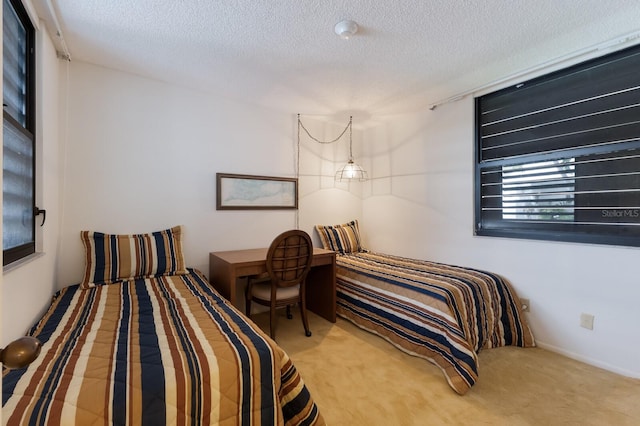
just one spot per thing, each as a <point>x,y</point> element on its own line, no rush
<point>443,313</point>
<point>154,351</point>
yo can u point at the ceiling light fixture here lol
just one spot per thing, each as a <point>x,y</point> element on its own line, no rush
<point>346,29</point>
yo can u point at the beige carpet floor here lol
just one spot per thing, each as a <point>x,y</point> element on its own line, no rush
<point>357,378</point>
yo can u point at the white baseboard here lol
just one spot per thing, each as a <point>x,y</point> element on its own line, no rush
<point>586,360</point>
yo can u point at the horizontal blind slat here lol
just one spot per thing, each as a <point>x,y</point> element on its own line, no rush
<point>596,77</point>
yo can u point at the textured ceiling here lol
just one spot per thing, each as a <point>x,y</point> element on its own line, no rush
<point>285,54</point>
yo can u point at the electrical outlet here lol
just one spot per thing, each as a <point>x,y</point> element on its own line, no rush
<point>586,321</point>
<point>526,306</point>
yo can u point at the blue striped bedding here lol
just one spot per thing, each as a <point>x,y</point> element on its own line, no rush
<point>155,351</point>
<point>443,313</point>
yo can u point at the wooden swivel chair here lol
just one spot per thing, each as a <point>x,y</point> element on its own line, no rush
<point>288,263</point>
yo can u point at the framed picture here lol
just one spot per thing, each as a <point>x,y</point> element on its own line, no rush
<point>248,192</point>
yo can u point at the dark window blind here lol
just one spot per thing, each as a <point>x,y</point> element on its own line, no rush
<point>18,238</point>
<point>14,65</point>
<point>558,157</point>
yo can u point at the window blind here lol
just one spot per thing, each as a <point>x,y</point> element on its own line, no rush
<point>558,157</point>
<point>18,239</point>
<point>14,75</point>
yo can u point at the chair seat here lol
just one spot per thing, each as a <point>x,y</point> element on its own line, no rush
<point>262,291</point>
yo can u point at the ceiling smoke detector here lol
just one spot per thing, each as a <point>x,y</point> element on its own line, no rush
<point>346,29</point>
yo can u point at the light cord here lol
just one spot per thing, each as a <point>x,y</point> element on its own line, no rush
<point>297,172</point>
<point>300,125</point>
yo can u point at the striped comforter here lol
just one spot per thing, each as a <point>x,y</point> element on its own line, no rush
<point>442,313</point>
<point>167,350</point>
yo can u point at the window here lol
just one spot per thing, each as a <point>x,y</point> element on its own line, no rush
<point>18,207</point>
<point>558,157</point>
<point>539,191</point>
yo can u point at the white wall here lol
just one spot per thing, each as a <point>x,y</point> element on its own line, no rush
<point>27,289</point>
<point>142,156</point>
<point>420,204</point>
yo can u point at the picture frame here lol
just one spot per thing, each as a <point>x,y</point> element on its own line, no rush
<point>250,192</point>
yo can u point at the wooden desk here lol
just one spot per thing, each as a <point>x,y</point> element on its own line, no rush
<point>225,267</point>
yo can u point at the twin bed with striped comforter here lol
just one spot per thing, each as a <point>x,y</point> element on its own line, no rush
<point>442,313</point>
<point>154,351</point>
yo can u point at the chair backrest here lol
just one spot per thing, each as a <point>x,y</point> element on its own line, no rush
<point>289,258</point>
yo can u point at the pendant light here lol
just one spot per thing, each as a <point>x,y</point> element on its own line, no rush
<point>351,170</point>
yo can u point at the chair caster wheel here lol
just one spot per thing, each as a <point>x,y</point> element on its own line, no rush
<point>307,333</point>
<point>289,316</point>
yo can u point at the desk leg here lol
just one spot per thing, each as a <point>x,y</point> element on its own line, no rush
<point>321,291</point>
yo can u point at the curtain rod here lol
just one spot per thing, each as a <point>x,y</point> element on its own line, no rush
<point>54,17</point>
<point>617,43</point>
